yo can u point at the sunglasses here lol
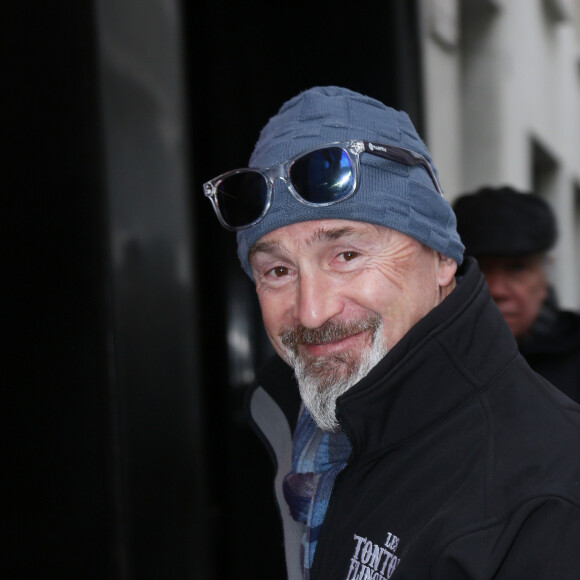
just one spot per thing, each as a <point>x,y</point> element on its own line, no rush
<point>321,176</point>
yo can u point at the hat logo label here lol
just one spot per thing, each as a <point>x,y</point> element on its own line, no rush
<point>377,147</point>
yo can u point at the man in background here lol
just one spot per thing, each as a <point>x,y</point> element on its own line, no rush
<point>510,233</point>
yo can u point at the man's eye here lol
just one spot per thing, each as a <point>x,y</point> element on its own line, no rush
<point>348,256</point>
<point>278,271</point>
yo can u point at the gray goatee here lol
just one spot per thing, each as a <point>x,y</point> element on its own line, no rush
<point>323,379</point>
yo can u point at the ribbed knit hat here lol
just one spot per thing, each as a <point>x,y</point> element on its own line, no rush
<point>390,194</point>
<point>503,221</point>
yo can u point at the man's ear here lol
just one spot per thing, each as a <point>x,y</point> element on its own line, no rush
<point>446,270</point>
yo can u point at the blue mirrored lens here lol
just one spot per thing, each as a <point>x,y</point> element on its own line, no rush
<point>242,198</point>
<point>323,176</point>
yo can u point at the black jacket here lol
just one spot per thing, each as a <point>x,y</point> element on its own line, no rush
<point>553,347</point>
<point>465,462</point>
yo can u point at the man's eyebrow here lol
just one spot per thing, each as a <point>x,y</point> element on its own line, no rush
<point>263,247</point>
<point>330,234</point>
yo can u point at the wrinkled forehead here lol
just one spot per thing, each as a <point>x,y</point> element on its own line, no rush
<point>321,230</point>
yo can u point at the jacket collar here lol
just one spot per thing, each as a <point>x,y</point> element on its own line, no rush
<point>446,359</point>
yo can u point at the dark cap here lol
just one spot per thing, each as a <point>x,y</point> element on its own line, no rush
<point>504,222</point>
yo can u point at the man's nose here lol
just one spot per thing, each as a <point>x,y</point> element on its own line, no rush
<point>498,283</point>
<point>318,299</point>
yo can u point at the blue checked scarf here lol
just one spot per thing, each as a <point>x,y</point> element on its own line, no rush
<point>317,458</point>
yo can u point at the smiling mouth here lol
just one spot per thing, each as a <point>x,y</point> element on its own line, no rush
<point>334,340</point>
<point>337,344</point>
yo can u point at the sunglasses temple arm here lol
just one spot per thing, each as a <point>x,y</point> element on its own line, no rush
<point>404,156</point>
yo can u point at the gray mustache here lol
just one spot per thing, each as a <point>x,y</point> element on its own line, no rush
<point>330,331</point>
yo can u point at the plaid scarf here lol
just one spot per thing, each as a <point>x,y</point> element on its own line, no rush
<point>317,458</point>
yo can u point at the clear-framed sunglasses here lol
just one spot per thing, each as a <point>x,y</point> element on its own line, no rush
<point>320,176</point>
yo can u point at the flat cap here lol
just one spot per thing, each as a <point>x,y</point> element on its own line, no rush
<point>503,221</point>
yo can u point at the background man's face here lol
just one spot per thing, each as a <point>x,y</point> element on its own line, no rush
<point>336,294</point>
<point>518,286</point>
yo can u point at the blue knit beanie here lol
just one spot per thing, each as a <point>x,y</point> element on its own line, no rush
<point>390,194</point>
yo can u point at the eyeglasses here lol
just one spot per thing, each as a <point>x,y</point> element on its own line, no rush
<point>321,176</point>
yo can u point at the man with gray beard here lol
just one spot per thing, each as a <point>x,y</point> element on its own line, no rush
<point>321,380</point>
<point>411,439</point>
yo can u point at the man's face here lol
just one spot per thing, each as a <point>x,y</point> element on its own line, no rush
<point>518,286</point>
<point>336,295</point>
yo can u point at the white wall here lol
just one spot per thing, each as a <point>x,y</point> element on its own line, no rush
<point>502,106</point>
